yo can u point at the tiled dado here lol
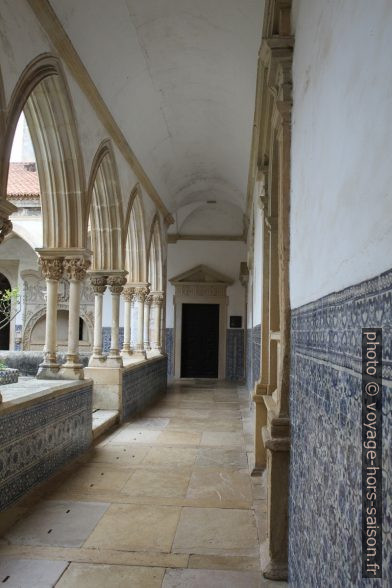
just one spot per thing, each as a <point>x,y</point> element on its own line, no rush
<point>143,384</point>
<point>325,401</point>
<point>39,436</point>
<point>169,347</point>
<point>235,354</point>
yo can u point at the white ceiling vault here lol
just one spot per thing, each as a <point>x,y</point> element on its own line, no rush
<point>179,77</point>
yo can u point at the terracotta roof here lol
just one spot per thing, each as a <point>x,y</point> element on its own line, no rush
<point>23,180</point>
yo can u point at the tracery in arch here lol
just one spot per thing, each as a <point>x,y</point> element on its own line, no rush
<point>155,268</point>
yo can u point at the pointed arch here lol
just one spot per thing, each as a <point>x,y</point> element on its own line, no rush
<point>43,95</point>
<point>155,258</point>
<point>135,238</point>
<point>106,211</point>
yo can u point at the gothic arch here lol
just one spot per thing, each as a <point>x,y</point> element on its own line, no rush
<point>43,95</point>
<point>135,239</point>
<point>106,212</point>
<point>155,262</point>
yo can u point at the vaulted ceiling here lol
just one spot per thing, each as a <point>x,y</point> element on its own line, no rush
<point>179,77</point>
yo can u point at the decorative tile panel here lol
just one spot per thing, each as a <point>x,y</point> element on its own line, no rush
<point>170,351</point>
<point>325,472</point>
<point>37,440</point>
<point>235,354</point>
<point>253,349</point>
<point>143,385</point>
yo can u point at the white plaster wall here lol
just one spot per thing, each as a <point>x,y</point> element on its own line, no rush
<point>257,267</point>
<point>341,203</point>
<point>222,256</point>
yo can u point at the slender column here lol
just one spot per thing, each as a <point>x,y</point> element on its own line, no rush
<point>147,306</point>
<point>98,283</point>
<point>128,295</point>
<point>157,301</point>
<point>52,270</point>
<point>139,296</point>
<point>75,270</point>
<point>116,283</point>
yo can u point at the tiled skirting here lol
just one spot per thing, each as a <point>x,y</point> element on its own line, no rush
<point>253,350</point>
<point>170,351</point>
<point>325,471</point>
<point>235,354</point>
<point>39,437</point>
<point>106,333</point>
<point>142,385</point>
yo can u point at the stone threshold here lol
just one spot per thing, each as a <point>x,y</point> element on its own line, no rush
<point>103,420</point>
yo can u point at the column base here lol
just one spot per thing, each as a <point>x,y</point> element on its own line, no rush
<point>139,354</point>
<point>276,571</point>
<point>114,360</point>
<point>97,360</point>
<point>126,352</point>
<point>48,371</point>
<point>72,371</point>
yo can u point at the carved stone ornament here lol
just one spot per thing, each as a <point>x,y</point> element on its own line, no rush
<point>75,268</point>
<point>140,293</point>
<point>128,293</point>
<point>116,284</point>
<point>148,300</point>
<point>51,267</point>
<point>98,284</point>
<point>157,298</point>
<point>5,228</point>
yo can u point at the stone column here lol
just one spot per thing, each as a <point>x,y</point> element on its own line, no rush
<point>139,297</point>
<point>75,270</point>
<point>52,270</point>
<point>157,301</point>
<point>128,295</point>
<point>116,284</point>
<point>147,306</point>
<point>98,283</point>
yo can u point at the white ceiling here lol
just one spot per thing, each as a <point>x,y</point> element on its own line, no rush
<point>179,76</point>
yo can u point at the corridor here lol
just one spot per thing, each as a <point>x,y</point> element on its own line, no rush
<point>165,500</point>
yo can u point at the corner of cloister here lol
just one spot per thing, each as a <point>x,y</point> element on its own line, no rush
<point>195,276</point>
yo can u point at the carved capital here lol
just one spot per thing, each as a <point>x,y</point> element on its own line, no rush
<point>140,293</point>
<point>51,267</point>
<point>157,298</point>
<point>148,299</point>
<point>128,293</point>
<point>116,284</point>
<point>75,268</point>
<point>5,228</point>
<point>98,284</point>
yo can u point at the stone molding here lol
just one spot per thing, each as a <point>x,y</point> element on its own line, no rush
<point>5,228</point>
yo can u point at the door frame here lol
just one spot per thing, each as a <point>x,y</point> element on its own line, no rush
<point>200,285</point>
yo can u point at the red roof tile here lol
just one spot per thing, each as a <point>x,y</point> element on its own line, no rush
<point>23,180</point>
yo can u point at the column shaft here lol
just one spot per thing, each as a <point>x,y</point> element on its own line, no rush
<point>116,283</point>
<point>127,293</point>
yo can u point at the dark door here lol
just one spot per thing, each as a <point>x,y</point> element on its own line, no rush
<point>200,341</point>
<point>5,331</point>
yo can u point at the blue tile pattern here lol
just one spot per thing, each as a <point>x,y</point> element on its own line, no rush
<point>325,470</point>
<point>253,350</point>
<point>235,354</point>
<point>18,337</point>
<point>106,331</point>
<point>143,385</point>
<point>37,440</point>
<point>169,346</point>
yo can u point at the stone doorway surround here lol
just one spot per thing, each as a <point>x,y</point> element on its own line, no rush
<point>200,285</point>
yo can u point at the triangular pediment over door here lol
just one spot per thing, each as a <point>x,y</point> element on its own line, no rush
<point>201,274</point>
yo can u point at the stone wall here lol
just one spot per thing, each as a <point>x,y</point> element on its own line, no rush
<point>325,471</point>
<point>235,342</point>
<point>37,438</point>
<point>142,385</point>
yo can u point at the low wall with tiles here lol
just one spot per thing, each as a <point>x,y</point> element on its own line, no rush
<point>253,350</point>
<point>235,348</point>
<point>325,404</point>
<point>40,434</point>
<point>142,385</point>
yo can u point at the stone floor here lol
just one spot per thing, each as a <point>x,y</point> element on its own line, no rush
<point>163,501</point>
